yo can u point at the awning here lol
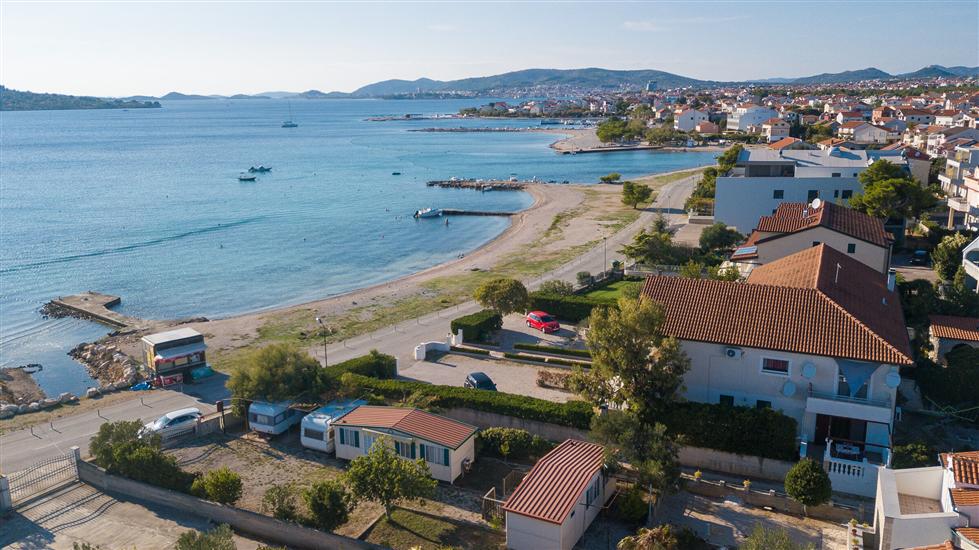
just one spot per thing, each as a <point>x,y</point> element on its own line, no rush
<point>170,354</point>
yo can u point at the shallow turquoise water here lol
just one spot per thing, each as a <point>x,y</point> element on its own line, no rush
<point>145,204</point>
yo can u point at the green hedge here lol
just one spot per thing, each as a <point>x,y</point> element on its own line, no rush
<point>521,444</point>
<point>556,351</point>
<point>576,414</point>
<point>545,360</point>
<point>374,364</point>
<point>478,326</point>
<point>569,308</point>
<point>470,350</point>
<point>742,430</point>
<point>956,384</point>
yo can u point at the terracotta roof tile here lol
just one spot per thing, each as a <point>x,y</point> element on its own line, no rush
<point>956,328</point>
<point>783,143</point>
<point>791,217</point>
<point>553,486</point>
<point>947,545</point>
<point>970,534</point>
<point>796,304</point>
<point>414,422</point>
<point>965,467</point>
<point>965,497</point>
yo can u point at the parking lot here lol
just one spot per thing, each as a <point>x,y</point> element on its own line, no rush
<point>510,377</point>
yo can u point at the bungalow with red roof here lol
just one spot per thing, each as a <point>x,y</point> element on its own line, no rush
<point>447,446</point>
<point>817,335</point>
<point>948,333</point>
<point>849,116</point>
<point>796,226</point>
<point>559,498</point>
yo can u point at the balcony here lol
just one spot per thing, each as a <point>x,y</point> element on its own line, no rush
<point>871,410</point>
<point>959,204</point>
<point>853,466</point>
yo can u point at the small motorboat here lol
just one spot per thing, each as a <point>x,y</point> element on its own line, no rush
<point>246,177</point>
<point>395,173</point>
<point>428,213</point>
<point>260,169</point>
<point>289,124</point>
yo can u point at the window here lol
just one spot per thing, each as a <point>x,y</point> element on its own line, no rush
<point>836,193</point>
<point>778,194</point>
<point>813,194</point>
<point>310,433</point>
<point>836,174</point>
<point>815,243</point>
<point>727,400</point>
<point>405,450</point>
<point>851,248</point>
<point>433,454</point>
<point>368,440</point>
<point>350,437</point>
<point>847,193</point>
<point>593,492</point>
<point>763,404</point>
<point>775,366</point>
<point>260,419</point>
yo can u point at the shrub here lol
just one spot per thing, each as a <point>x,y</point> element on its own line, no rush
<point>561,288</point>
<point>544,360</point>
<point>512,443</point>
<point>505,296</point>
<point>955,384</point>
<point>477,351</point>
<point>551,349</point>
<point>741,430</point>
<point>374,364</point>
<point>219,538</point>
<point>221,485</point>
<point>913,455</point>
<point>576,414</point>
<point>631,506</point>
<point>280,501</point>
<point>570,308</point>
<point>808,484</point>
<point>550,379</point>
<point>583,278</point>
<point>150,465</point>
<point>329,504</point>
<point>478,326</point>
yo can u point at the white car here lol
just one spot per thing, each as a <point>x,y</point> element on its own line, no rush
<point>173,423</point>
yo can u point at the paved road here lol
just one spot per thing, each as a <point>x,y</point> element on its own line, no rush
<point>20,449</point>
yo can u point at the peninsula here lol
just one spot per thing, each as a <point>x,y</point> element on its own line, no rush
<point>16,100</point>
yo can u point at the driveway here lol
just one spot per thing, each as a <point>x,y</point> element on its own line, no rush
<point>901,263</point>
<point>515,330</point>
<point>451,370</point>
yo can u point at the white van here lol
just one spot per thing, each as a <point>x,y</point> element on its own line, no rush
<point>273,418</point>
<point>317,429</point>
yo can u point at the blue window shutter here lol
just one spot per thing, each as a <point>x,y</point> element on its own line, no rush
<point>421,450</point>
<point>412,450</point>
<point>356,439</point>
<point>445,456</point>
<point>343,438</point>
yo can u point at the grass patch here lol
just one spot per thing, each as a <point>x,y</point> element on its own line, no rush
<point>663,179</point>
<point>613,291</point>
<point>410,529</point>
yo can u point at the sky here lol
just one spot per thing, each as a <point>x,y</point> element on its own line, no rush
<point>151,48</point>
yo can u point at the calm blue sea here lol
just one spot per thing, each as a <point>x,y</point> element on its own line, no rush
<point>145,204</point>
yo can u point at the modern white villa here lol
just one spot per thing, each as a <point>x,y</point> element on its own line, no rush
<point>447,446</point>
<point>747,115</point>
<point>817,335</point>
<point>970,262</point>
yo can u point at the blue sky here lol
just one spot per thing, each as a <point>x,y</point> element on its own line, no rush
<point>125,48</point>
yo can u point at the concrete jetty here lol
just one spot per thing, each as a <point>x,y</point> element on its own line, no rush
<point>609,149</point>
<point>91,305</point>
<point>455,212</point>
<point>481,185</point>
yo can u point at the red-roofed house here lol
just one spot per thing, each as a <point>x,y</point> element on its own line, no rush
<point>775,129</point>
<point>790,144</point>
<point>817,335</point>
<point>948,333</point>
<point>447,446</point>
<point>863,132</point>
<point>559,498</point>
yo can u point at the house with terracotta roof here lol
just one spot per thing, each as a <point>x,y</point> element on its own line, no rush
<point>817,335</point>
<point>864,132</point>
<point>790,144</point>
<point>797,226</point>
<point>948,333</point>
<point>707,127</point>
<point>447,446</point>
<point>559,498</point>
<point>686,119</point>
<point>775,129</point>
<point>930,507</point>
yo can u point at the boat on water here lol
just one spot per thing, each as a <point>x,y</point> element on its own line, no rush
<point>289,123</point>
<point>428,213</point>
<point>246,177</point>
<point>260,169</point>
<point>395,173</point>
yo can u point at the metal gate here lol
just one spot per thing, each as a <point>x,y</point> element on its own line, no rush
<point>43,477</point>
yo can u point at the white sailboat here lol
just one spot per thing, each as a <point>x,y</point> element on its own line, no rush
<point>289,123</point>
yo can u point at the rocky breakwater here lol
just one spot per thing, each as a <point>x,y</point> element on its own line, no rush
<point>113,369</point>
<point>19,394</point>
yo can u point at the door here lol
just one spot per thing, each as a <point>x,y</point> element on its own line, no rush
<point>822,428</point>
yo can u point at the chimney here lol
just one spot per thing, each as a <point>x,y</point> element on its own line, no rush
<point>891,279</point>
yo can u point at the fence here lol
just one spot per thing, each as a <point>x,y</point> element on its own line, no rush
<point>492,505</point>
<point>42,478</point>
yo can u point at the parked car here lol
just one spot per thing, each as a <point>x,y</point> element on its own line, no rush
<point>542,321</point>
<point>479,381</point>
<point>173,423</point>
<point>920,257</point>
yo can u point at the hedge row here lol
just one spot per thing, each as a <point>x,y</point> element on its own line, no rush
<point>742,430</point>
<point>374,364</point>
<point>576,414</point>
<point>556,351</point>
<point>469,350</point>
<point>545,360</point>
<point>520,444</point>
<point>477,326</point>
<point>572,308</point>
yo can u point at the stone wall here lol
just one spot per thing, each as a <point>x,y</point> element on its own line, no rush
<point>778,502</point>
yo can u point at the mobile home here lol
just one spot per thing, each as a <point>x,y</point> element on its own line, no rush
<point>273,418</point>
<point>317,426</point>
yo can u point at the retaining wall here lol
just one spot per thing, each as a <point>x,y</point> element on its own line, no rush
<point>776,501</point>
<point>263,527</point>
<point>729,463</point>
<point>485,419</point>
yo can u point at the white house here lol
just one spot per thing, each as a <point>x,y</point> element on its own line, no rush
<point>764,178</point>
<point>795,227</point>
<point>559,498</point>
<point>960,182</point>
<point>970,261</point>
<point>687,119</point>
<point>775,129</point>
<point>749,114</point>
<point>863,132</point>
<point>817,335</point>
<point>931,507</point>
<point>447,446</point>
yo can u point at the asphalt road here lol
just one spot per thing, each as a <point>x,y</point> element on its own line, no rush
<point>21,448</point>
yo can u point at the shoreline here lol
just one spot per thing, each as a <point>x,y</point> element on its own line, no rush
<point>585,140</point>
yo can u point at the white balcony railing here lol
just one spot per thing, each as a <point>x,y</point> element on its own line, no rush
<point>959,204</point>
<point>886,403</point>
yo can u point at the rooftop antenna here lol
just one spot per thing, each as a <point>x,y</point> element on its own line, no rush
<point>836,280</point>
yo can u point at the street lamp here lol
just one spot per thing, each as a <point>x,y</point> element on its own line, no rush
<point>605,252</point>
<point>326,361</point>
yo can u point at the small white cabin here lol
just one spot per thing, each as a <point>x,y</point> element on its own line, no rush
<point>273,418</point>
<point>317,426</point>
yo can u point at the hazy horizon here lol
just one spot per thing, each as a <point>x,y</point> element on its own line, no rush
<point>123,49</point>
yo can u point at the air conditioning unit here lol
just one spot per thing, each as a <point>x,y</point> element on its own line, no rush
<point>733,353</point>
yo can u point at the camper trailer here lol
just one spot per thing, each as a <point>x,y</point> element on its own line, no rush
<point>317,428</point>
<point>273,418</point>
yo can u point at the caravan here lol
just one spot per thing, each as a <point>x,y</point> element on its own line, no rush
<point>273,418</point>
<point>317,428</point>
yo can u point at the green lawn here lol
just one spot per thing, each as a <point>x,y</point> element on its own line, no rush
<point>612,291</point>
<point>408,529</point>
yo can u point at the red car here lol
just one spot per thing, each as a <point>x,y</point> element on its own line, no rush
<point>542,321</point>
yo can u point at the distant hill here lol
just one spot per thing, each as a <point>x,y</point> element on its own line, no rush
<point>963,71</point>
<point>873,73</point>
<point>179,96</point>
<point>870,73</point>
<point>931,71</point>
<point>15,100</point>
<point>246,96</point>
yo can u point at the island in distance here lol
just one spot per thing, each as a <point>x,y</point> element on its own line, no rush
<point>15,100</point>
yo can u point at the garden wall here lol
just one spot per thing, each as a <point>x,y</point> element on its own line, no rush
<point>729,463</point>
<point>778,502</point>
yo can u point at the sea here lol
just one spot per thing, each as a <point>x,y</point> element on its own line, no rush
<point>145,204</point>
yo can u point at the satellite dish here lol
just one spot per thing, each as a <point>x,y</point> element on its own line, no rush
<point>893,379</point>
<point>808,370</point>
<point>788,389</point>
<point>816,203</point>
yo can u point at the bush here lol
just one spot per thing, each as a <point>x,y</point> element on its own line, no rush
<point>631,506</point>
<point>549,379</point>
<point>569,308</point>
<point>280,501</point>
<point>329,504</point>
<point>551,349</point>
<point>512,443</point>
<point>477,351</point>
<point>561,288</point>
<point>576,414</point>
<point>955,384</point>
<point>741,430</point>
<point>808,484</point>
<point>219,538</point>
<point>478,326</point>
<point>913,455</point>
<point>221,485</point>
<point>374,364</point>
<point>584,278</point>
<point>544,360</point>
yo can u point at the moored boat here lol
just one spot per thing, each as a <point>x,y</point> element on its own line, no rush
<point>428,213</point>
<point>246,177</point>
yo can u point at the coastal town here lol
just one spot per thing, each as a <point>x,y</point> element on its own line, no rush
<point>739,314</point>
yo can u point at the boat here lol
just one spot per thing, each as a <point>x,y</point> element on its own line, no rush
<point>428,213</point>
<point>260,169</point>
<point>289,123</point>
<point>395,173</point>
<point>246,177</point>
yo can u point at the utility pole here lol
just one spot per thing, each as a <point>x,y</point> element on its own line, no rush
<point>326,361</point>
<point>605,252</point>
